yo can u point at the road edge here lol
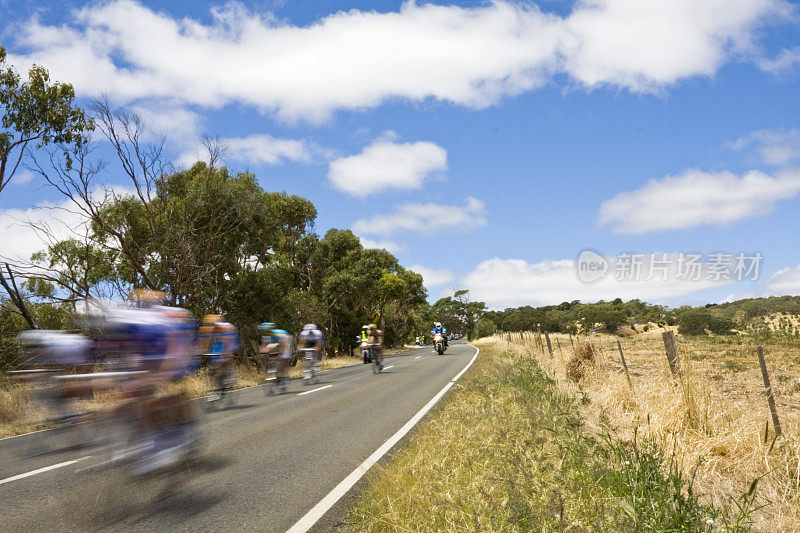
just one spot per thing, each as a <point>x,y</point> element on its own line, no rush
<point>339,491</point>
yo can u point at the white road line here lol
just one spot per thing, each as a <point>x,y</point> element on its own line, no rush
<point>319,510</point>
<point>40,470</point>
<point>388,367</point>
<point>417,357</point>
<point>314,390</point>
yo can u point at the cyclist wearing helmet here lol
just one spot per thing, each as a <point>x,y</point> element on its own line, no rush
<point>375,337</point>
<point>221,341</point>
<point>438,328</point>
<point>277,343</point>
<point>311,337</point>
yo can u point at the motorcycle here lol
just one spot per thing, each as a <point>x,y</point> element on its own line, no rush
<point>366,351</point>
<point>438,342</point>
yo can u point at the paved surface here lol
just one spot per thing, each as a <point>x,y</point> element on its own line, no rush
<point>268,459</point>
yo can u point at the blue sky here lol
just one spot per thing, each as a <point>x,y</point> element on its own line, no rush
<point>518,134</point>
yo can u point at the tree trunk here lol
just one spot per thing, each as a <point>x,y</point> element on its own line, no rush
<point>16,298</point>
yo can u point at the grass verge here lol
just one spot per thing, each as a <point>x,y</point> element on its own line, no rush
<point>508,451</point>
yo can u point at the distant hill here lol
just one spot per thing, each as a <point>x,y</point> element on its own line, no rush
<point>572,317</point>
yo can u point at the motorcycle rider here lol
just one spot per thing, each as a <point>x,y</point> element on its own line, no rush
<point>311,337</point>
<point>438,328</point>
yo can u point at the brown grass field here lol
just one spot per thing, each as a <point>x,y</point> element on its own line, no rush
<point>714,417</point>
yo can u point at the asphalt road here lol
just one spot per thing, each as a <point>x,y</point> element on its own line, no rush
<point>267,461</point>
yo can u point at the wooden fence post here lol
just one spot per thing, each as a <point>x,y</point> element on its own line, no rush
<point>625,365</point>
<point>549,346</point>
<point>770,398</point>
<point>559,347</point>
<point>572,343</point>
<point>672,350</point>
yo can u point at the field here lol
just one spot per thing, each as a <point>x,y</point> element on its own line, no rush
<point>508,450</point>
<point>713,418</point>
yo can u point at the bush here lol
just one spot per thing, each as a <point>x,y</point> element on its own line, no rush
<point>484,328</point>
<point>697,322</point>
<point>582,359</point>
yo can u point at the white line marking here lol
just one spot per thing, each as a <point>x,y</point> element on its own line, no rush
<point>319,510</point>
<point>40,470</point>
<point>417,357</point>
<point>314,390</point>
<point>388,367</point>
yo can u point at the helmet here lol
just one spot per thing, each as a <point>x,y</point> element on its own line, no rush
<point>372,326</point>
<point>209,320</point>
<point>438,324</point>
<point>309,327</point>
<point>147,297</point>
<point>265,327</point>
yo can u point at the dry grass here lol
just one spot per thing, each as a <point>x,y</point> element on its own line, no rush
<point>714,414</point>
<point>507,451</point>
<point>581,362</point>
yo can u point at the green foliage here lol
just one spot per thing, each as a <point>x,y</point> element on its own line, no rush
<point>484,327</point>
<point>509,452</point>
<point>36,112</point>
<point>215,241</point>
<point>696,322</point>
<point>458,313</point>
<point>569,317</point>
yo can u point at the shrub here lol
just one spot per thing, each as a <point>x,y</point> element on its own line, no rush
<point>484,328</point>
<point>582,359</point>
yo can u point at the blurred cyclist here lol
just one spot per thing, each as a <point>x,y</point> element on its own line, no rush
<point>277,345</point>
<point>159,342</point>
<point>220,341</point>
<point>375,338</point>
<point>311,337</point>
<point>49,353</point>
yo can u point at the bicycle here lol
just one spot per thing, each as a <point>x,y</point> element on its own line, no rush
<point>311,368</point>
<point>223,376</point>
<point>377,364</point>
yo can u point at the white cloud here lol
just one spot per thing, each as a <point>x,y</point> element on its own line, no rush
<point>774,147</point>
<point>514,282</point>
<point>169,118</point>
<point>384,165</point>
<point>786,61</point>
<point>22,177</point>
<point>784,282</point>
<point>389,246</point>
<point>433,277</point>
<point>360,59</point>
<point>695,198</point>
<point>62,220</point>
<point>647,44</point>
<point>19,240</point>
<point>426,218</point>
<point>258,149</point>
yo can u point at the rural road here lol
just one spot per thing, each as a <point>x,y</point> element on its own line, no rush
<point>267,462</point>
